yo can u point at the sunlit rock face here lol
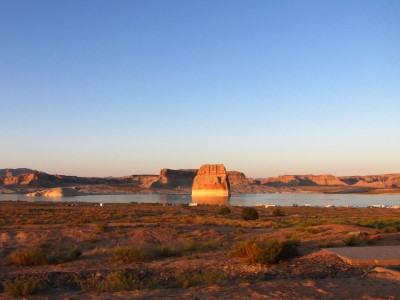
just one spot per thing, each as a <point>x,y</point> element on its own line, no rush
<point>211,181</point>
<point>55,192</point>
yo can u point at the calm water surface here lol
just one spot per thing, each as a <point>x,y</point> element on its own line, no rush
<point>243,199</point>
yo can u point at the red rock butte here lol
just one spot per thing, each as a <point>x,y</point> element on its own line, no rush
<point>211,181</point>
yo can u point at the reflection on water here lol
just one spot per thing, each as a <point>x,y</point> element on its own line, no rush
<point>210,200</point>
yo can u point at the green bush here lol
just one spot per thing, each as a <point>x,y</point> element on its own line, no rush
<point>224,210</point>
<point>24,287</point>
<point>266,252</point>
<point>128,254</point>
<point>249,213</point>
<point>278,212</point>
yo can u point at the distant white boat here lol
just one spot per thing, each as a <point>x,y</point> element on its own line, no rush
<point>377,206</point>
<point>269,205</point>
<point>307,204</point>
<point>192,204</point>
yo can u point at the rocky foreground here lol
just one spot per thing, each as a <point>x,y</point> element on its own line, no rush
<point>181,181</point>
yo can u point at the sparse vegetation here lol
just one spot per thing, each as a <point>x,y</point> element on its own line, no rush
<point>312,230</point>
<point>100,226</point>
<point>204,235</point>
<point>128,254</point>
<point>42,255</point>
<point>249,213</point>
<point>114,282</point>
<point>165,250</point>
<point>188,278</point>
<point>24,287</point>
<point>28,257</point>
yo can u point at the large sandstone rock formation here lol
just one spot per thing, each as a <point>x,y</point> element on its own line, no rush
<point>211,181</point>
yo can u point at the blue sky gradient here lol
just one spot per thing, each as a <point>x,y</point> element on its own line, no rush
<point>99,88</point>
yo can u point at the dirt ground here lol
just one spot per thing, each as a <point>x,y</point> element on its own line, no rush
<point>205,238</point>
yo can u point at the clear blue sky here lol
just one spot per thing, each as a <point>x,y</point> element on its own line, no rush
<point>266,87</point>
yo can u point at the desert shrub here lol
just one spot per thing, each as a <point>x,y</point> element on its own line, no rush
<point>194,246</point>
<point>278,212</point>
<point>165,250</point>
<point>73,253</point>
<point>24,287</point>
<point>249,213</point>
<point>289,235</point>
<point>266,252</point>
<point>128,254</point>
<point>326,243</point>
<point>224,210</point>
<point>113,282</point>
<point>184,279</point>
<point>42,255</point>
<point>28,257</point>
<point>100,226</point>
<point>390,229</point>
<point>312,230</point>
<point>352,238</point>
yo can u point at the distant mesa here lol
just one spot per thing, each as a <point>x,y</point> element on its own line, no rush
<point>55,192</point>
<point>370,181</point>
<point>211,181</point>
<point>303,180</point>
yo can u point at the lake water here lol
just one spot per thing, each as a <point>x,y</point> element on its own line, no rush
<point>243,199</point>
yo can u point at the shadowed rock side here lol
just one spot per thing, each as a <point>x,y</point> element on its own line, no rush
<point>211,181</point>
<point>175,178</point>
